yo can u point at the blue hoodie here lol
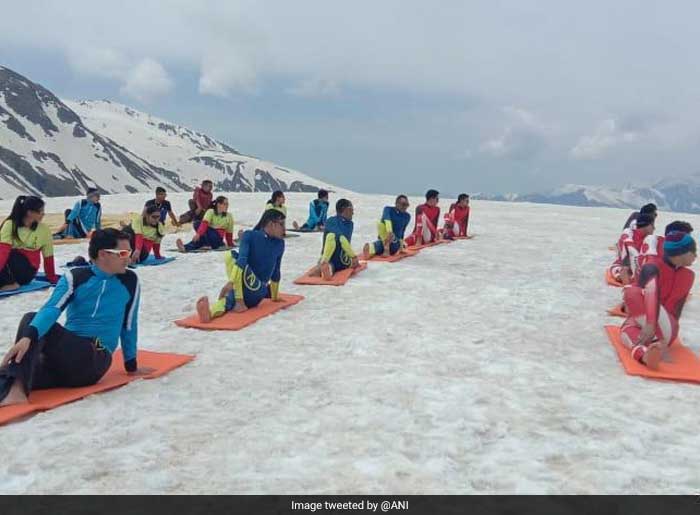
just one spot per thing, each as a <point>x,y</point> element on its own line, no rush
<point>87,216</point>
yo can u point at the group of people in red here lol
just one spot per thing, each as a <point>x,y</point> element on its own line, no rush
<point>656,278</point>
<point>427,227</point>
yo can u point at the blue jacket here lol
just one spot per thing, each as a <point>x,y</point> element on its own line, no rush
<point>340,227</point>
<point>318,211</point>
<point>262,254</point>
<point>86,215</point>
<point>399,220</point>
<point>99,305</point>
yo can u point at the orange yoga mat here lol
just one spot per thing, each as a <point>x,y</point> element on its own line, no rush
<point>431,244</point>
<point>69,241</point>
<point>679,363</point>
<point>611,280</point>
<point>338,279</point>
<point>42,400</point>
<point>396,257</point>
<point>617,312</point>
<point>234,321</point>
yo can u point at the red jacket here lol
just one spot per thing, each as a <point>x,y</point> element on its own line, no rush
<point>202,198</point>
<point>433,213</point>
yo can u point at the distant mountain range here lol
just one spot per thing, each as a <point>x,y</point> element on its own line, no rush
<point>681,194</point>
<point>52,147</point>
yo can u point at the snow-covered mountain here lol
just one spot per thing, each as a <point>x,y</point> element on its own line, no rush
<point>52,147</point>
<point>677,194</point>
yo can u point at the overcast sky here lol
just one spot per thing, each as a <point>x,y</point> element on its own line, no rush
<point>387,96</point>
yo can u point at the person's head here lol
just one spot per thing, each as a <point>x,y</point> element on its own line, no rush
<point>323,195</point>
<point>27,211</point>
<point>151,216</point>
<point>110,250</point>
<point>645,223</point>
<point>93,195</point>
<point>648,209</point>
<point>344,209</point>
<point>277,198</point>
<point>679,226</point>
<point>160,194</point>
<point>220,205</point>
<point>432,197</point>
<point>680,248</point>
<point>463,200</point>
<point>402,203</point>
<point>207,185</point>
<point>272,223</point>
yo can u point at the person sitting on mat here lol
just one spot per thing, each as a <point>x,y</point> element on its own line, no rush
<point>653,244</point>
<point>655,303</point>
<point>163,206</point>
<point>318,212</point>
<point>277,202</point>
<point>215,228</point>
<point>337,253</point>
<point>427,219</point>
<point>457,218</point>
<point>85,217</point>
<point>647,209</point>
<point>24,240</point>
<point>253,271</point>
<point>391,229</point>
<point>102,303</point>
<point>199,203</point>
<point>145,232</point>
<point>625,267</point>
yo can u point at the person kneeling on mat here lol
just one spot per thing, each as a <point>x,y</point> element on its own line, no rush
<point>253,271</point>
<point>337,253</point>
<point>427,218</point>
<point>391,229</point>
<point>655,303</point>
<point>145,234</point>
<point>102,303</point>
<point>215,227</point>
<point>318,212</point>
<point>24,240</point>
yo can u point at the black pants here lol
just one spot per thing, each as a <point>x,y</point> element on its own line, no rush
<point>191,215</point>
<point>18,269</point>
<point>59,359</point>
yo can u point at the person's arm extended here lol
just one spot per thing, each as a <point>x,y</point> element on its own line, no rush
<point>98,218</point>
<point>173,218</point>
<point>204,224</point>
<point>313,218</point>
<point>236,276</point>
<point>229,231</point>
<point>5,243</point>
<point>328,247</point>
<point>74,213</point>
<point>130,331</point>
<point>47,316</point>
<point>347,248</point>
<point>47,254</point>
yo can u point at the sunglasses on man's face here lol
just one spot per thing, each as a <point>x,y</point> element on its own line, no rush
<point>121,253</point>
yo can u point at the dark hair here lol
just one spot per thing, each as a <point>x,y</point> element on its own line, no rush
<point>105,239</point>
<point>404,197</point>
<point>275,195</point>
<point>149,211</point>
<point>207,181</point>
<point>342,205</point>
<point>431,194</point>
<point>322,193</point>
<point>160,189</point>
<point>679,226</point>
<point>218,200</point>
<point>270,215</point>
<point>92,191</point>
<point>648,209</point>
<point>19,211</point>
<point>462,196</point>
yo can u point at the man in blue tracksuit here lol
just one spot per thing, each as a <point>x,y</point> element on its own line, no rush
<point>101,303</point>
<point>318,212</point>
<point>391,230</point>
<point>337,253</point>
<point>85,216</point>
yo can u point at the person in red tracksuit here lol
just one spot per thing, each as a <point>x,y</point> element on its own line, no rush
<point>655,303</point>
<point>200,202</point>
<point>630,248</point>
<point>427,220</point>
<point>457,218</point>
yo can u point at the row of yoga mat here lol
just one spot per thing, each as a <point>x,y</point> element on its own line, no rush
<point>161,362</point>
<point>679,363</point>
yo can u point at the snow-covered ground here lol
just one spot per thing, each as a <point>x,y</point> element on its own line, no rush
<point>475,367</point>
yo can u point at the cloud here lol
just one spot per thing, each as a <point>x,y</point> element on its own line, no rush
<point>523,138</point>
<point>146,81</point>
<point>315,88</point>
<point>221,76</point>
<point>609,134</point>
<point>106,63</point>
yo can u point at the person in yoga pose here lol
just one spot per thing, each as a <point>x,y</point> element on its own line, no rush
<point>427,219</point>
<point>647,209</point>
<point>277,202</point>
<point>336,252</point>
<point>626,265</point>
<point>457,218</point>
<point>85,217</point>
<point>318,212</point>
<point>655,303</point>
<point>253,271</point>
<point>24,240</point>
<point>215,229</point>
<point>199,203</point>
<point>390,229</point>
<point>164,207</point>
<point>145,232</point>
<point>102,305</point>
